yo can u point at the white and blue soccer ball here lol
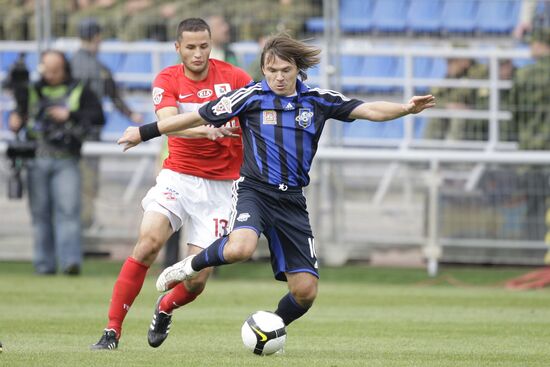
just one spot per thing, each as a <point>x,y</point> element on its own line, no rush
<point>264,333</point>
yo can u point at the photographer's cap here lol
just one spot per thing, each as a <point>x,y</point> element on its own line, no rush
<point>88,29</point>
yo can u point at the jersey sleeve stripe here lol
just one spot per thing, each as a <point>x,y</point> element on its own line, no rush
<point>330,92</point>
<point>243,93</point>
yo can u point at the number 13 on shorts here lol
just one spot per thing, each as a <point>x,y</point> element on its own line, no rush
<point>220,227</point>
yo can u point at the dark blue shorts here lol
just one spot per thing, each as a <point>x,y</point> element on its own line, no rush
<point>283,218</point>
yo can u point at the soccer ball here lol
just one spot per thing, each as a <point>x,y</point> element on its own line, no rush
<point>264,333</point>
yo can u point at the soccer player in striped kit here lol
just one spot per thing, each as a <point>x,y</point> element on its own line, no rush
<point>281,120</point>
<point>194,185</point>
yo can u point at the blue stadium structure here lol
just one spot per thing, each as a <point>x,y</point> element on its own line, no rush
<point>425,16</point>
<point>359,19</point>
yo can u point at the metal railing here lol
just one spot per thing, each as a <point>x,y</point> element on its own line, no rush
<point>406,150</point>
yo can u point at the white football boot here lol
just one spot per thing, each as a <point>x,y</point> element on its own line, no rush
<point>175,274</point>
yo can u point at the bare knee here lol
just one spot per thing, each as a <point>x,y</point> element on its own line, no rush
<point>240,246</point>
<point>148,247</point>
<point>155,229</point>
<point>304,291</point>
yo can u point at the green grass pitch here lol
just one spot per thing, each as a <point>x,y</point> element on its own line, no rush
<point>363,316</point>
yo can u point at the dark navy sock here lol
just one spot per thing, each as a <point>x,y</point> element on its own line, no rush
<point>289,310</point>
<point>210,256</point>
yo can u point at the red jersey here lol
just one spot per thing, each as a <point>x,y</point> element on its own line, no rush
<point>216,160</point>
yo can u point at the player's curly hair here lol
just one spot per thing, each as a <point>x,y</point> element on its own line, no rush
<point>299,53</point>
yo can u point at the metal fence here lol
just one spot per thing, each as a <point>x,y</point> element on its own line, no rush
<point>452,184</point>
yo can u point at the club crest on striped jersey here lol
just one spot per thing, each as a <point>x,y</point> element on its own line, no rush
<point>221,89</point>
<point>157,95</point>
<point>304,117</point>
<point>269,117</point>
<point>223,106</point>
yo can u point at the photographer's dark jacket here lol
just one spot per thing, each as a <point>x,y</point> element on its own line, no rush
<point>62,139</point>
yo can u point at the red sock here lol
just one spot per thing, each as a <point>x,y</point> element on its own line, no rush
<point>126,288</point>
<point>178,296</point>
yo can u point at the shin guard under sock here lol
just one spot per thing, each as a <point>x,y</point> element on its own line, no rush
<point>289,310</point>
<point>210,256</point>
<point>126,288</point>
<point>177,297</point>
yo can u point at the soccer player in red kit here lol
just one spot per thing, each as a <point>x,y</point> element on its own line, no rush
<point>194,186</point>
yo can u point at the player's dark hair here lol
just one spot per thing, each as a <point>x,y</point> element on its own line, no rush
<point>192,25</point>
<point>283,46</point>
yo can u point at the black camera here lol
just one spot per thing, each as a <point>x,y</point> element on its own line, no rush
<point>19,149</point>
<point>18,152</point>
<point>18,82</point>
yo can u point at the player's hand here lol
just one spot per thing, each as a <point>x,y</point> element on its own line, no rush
<point>130,138</point>
<point>420,103</point>
<point>521,29</point>
<point>58,113</point>
<point>215,133</point>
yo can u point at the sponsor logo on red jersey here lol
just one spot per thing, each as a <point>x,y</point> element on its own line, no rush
<point>204,93</point>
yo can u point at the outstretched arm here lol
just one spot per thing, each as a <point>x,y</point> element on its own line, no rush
<point>133,135</point>
<point>204,131</point>
<point>383,111</point>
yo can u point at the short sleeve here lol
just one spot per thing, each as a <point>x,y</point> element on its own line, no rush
<point>223,109</point>
<point>342,108</point>
<point>163,93</point>
<point>334,104</point>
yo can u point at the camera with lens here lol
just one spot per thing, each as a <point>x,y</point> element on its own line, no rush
<point>18,82</point>
<point>19,150</point>
<point>66,135</point>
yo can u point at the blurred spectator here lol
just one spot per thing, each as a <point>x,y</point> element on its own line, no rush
<point>529,98</point>
<point>146,19</point>
<point>110,12</point>
<point>61,111</point>
<point>60,11</point>
<point>88,68</point>
<point>17,19</point>
<point>135,18</point>
<point>255,68</point>
<point>530,9</point>
<point>282,16</point>
<point>530,95</point>
<point>459,99</point>
<point>221,36</point>
<point>507,129</point>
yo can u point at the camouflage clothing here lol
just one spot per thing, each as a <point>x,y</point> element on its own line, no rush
<point>529,103</point>
<point>457,128</point>
<point>17,19</point>
<point>530,109</point>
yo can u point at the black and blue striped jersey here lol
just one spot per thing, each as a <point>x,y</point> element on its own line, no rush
<point>280,134</point>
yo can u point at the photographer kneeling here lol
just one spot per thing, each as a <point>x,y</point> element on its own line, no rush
<point>61,112</point>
